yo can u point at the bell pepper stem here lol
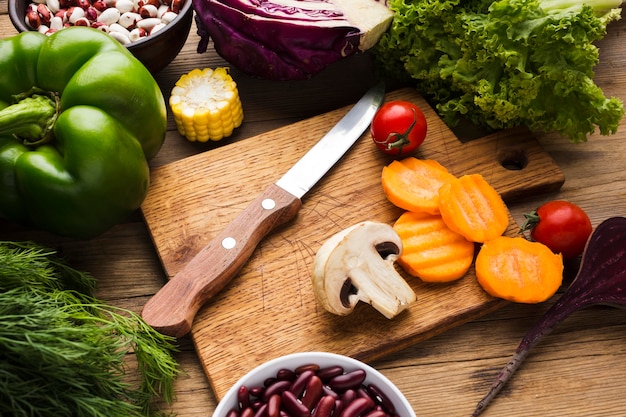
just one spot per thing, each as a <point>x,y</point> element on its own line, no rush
<point>31,119</point>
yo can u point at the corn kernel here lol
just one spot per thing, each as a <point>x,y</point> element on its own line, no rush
<point>206,105</point>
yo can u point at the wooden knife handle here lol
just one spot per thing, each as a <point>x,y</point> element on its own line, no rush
<point>172,309</point>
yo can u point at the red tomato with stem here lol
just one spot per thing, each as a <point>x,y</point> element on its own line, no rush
<point>398,128</point>
<point>560,225</point>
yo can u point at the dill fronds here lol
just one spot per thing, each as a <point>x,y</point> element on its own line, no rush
<point>65,353</point>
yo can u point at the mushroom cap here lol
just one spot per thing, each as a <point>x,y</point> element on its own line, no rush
<point>357,264</point>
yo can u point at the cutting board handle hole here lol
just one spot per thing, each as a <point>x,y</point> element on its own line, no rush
<point>514,159</point>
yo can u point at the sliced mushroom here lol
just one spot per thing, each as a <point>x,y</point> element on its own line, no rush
<point>358,264</point>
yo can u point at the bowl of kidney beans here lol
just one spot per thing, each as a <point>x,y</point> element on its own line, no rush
<point>314,384</point>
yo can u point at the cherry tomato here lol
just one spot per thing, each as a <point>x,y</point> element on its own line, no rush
<point>560,225</point>
<point>398,128</point>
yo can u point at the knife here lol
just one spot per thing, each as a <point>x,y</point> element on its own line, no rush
<point>172,309</point>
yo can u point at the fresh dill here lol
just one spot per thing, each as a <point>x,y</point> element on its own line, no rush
<point>63,352</point>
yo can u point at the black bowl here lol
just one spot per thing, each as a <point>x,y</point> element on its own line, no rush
<point>154,51</point>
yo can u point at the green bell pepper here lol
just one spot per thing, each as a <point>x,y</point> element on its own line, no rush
<point>80,117</point>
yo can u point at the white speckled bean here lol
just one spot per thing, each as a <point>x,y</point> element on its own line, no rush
<point>56,23</point>
<point>157,28</point>
<point>129,19</point>
<point>116,27</point>
<point>31,18</point>
<point>53,5</point>
<point>148,10</point>
<point>164,8</point>
<point>101,27</point>
<point>168,17</point>
<point>75,13</point>
<point>120,37</point>
<point>137,34</point>
<point>124,6</point>
<point>82,22</point>
<point>149,23</point>
<point>109,16</point>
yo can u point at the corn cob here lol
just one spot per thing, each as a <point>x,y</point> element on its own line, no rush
<point>205,105</point>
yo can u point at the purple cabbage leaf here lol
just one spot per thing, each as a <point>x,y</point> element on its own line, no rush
<point>289,39</point>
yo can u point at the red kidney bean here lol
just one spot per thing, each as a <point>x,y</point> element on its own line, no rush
<point>326,374</point>
<point>358,407</point>
<point>348,396</point>
<point>243,397</point>
<point>376,413</point>
<point>380,398</point>
<point>257,391</point>
<point>247,412</point>
<point>286,375</point>
<point>362,392</point>
<point>348,380</point>
<point>339,406</point>
<point>277,388</point>
<point>297,388</point>
<point>232,413</point>
<point>273,406</point>
<point>293,406</point>
<point>313,392</point>
<point>324,407</point>
<point>308,367</point>
<point>261,411</point>
<point>328,391</point>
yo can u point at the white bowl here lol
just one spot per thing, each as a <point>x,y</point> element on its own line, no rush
<point>258,375</point>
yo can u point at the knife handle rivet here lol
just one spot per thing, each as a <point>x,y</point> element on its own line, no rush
<point>229,243</point>
<point>268,204</point>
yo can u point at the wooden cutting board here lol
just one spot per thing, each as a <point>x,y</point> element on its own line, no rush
<point>269,309</point>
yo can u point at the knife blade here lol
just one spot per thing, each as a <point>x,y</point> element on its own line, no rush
<point>172,309</point>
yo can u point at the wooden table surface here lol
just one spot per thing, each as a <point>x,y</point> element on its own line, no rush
<point>579,370</point>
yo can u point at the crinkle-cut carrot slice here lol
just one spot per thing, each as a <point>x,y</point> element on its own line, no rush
<point>431,251</point>
<point>472,207</point>
<point>518,270</point>
<point>413,184</point>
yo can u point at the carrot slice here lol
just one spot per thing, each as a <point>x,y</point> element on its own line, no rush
<point>413,184</point>
<point>472,207</point>
<point>519,270</point>
<point>431,251</point>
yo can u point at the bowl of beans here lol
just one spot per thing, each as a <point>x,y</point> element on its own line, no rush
<point>314,384</point>
<point>154,31</point>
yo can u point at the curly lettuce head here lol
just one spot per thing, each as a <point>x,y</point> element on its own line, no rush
<point>505,63</point>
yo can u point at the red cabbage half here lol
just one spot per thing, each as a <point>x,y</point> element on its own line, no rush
<point>289,39</point>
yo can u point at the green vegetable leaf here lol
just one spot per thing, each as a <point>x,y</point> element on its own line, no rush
<point>505,63</point>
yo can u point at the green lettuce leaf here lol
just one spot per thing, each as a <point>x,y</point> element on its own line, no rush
<point>505,63</point>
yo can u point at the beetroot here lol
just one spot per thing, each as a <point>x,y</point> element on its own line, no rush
<point>601,279</point>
